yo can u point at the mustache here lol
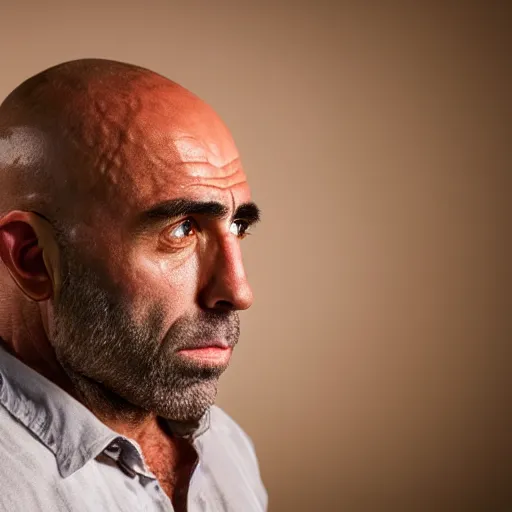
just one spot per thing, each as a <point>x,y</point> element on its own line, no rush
<point>207,326</point>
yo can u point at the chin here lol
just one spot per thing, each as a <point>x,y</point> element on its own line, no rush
<point>186,405</point>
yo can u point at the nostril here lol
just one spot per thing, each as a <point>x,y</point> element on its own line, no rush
<point>224,305</point>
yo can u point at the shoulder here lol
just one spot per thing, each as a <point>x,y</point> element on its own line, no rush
<point>28,468</point>
<point>20,449</point>
<point>224,425</point>
<point>233,449</point>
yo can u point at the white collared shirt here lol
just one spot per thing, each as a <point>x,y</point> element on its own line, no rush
<point>55,455</point>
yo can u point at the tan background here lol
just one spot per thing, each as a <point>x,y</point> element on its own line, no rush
<point>373,370</point>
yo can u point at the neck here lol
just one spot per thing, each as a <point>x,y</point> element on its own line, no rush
<point>123,416</point>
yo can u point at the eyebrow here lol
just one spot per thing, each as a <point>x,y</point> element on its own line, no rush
<point>182,207</point>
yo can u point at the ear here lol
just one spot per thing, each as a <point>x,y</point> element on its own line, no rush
<point>29,251</point>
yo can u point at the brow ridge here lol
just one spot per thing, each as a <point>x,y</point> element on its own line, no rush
<point>181,207</point>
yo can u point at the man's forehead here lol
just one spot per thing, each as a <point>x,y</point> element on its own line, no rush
<point>153,155</point>
<point>204,172</point>
<point>144,182</point>
<point>198,181</point>
<point>143,188</point>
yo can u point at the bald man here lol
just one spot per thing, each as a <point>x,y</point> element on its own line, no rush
<point>122,206</point>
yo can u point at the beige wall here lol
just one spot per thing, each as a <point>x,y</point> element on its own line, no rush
<point>373,369</point>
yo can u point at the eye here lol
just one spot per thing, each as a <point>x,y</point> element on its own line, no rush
<point>185,229</point>
<point>240,228</point>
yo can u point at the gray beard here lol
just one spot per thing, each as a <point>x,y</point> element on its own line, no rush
<point>123,369</point>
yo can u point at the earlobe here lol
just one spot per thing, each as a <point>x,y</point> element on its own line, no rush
<point>23,255</point>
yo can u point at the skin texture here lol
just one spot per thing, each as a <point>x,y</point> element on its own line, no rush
<point>96,293</point>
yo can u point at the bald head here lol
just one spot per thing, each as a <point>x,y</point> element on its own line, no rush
<point>35,126</point>
<point>68,133</point>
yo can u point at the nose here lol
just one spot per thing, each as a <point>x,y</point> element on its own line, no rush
<point>227,286</point>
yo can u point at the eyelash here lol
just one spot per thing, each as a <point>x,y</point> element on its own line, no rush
<point>246,226</point>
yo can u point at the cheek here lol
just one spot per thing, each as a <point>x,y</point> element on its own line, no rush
<point>159,281</point>
<point>147,277</point>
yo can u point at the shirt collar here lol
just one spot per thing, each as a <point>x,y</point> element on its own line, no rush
<point>65,426</point>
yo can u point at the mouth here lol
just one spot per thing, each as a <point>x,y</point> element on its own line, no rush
<point>211,355</point>
<point>207,343</point>
<point>212,352</point>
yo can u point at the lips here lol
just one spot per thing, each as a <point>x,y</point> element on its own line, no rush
<point>202,344</point>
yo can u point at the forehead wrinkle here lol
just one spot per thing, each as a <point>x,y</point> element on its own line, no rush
<point>179,176</point>
<point>215,187</point>
<point>211,172</point>
<point>133,154</point>
<point>220,184</point>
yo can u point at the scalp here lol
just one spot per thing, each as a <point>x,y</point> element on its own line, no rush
<point>65,122</point>
<point>92,135</point>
